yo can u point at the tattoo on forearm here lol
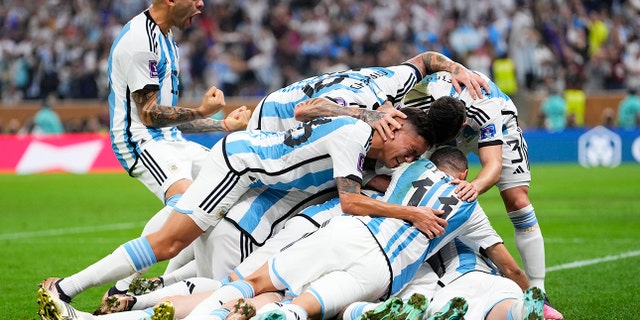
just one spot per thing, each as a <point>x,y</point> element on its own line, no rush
<point>320,107</point>
<point>155,115</point>
<point>371,117</point>
<point>202,125</point>
<point>346,185</point>
<point>436,62</point>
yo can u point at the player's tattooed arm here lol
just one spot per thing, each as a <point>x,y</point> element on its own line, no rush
<point>202,125</point>
<point>236,120</point>
<point>322,107</point>
<point>154,115</point>
<point>346,185</point>
<point>430,62</point>
<point>354,203</point>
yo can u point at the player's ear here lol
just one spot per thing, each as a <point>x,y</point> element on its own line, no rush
<point>463,175</point>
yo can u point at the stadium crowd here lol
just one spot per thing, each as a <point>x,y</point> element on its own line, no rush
<point>252,47</point>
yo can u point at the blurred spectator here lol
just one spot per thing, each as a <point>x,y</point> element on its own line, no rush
<point>576,101</point>
<point>46,120</point>
<point>554,112</point>
<point>629,110</point>
<point>504,75</point>
<point>251,47</point>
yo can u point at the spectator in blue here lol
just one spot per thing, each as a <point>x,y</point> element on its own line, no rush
<point>46,120</point>
<point>629,110</point>
<point>554,111</point>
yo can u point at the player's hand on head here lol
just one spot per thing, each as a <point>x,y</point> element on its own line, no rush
<point>212,101</point>
<point>429,223</point>
<point>387,121</point>
<point>461,76</point>
<point>465,190</point>
<point>238,119</point>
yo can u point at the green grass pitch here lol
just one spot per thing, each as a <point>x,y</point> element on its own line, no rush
<point>56,224</point>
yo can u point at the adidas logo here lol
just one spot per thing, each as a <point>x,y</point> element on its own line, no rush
<point>518,170</point>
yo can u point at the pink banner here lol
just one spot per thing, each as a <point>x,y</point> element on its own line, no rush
<point>75,153</point>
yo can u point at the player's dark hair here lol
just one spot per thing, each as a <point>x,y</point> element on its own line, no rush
<point>445,118</point>
<point>420,121</point>
<point>449,157</point>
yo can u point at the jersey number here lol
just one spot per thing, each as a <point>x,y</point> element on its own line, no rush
<point>301,134</point>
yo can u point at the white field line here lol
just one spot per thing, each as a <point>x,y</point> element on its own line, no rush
<point>583,263</point>
<point>68,231</point>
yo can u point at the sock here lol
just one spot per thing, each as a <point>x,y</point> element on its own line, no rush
<point>151,226</point>
<point>187,271</point>
<point>234,290</point>
<point>118,265</point>
<point>219,314</point>
<point>357,309</point>
<point>294,312</point>
<point>186,287</point>
<point>530,244</point>
<point>516,312</point>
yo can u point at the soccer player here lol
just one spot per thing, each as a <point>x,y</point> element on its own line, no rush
<point>359,258</point>
<point>146,122</point>
<point>482,272</point>
<point>492,132</point>
<point>321,154</point>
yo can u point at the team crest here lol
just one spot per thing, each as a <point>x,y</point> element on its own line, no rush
<point>488,132</point>
<point>153,68</point>
<point>361,162</point>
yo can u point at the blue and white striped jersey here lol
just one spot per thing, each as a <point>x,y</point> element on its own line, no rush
<point>365,88</point>
<point>141,57</point>
<point>459,257</point>
<point>485,121</point>
<point>420,184</point>
<point>305,158</point>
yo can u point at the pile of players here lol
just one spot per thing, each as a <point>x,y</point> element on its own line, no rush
<point>343,198</point>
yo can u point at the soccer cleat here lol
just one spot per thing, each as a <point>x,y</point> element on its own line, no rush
<point>52,285</point>
<point>116,303</point>
<point>414,308</point>
<point>455,309</point>
<point>51,307</point>
<point>389,310</point>
<point>163,311</point>
<point>533,304</point>
<point>550,313</point>
<point>242,310</point>
<point>276,314</point>
<point>140,286</point>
